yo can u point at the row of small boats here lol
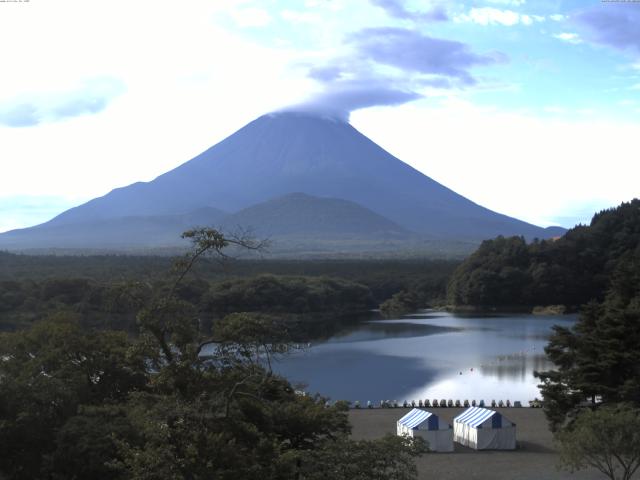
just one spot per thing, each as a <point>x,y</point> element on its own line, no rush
<point>444,403</point>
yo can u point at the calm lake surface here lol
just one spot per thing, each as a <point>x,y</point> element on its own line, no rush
<point>430,355</point>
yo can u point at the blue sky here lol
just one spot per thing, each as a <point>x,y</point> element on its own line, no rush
<point>530,108</point>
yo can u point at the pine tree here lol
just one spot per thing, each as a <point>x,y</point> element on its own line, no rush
<point>598,359</point>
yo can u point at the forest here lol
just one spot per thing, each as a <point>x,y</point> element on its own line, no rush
<point>103,371</point>
<point>570,271</point>
<point>80,399</point>
<point>95,289</point>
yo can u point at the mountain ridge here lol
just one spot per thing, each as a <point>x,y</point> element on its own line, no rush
<point>301,214</point>
<point>285,152</point>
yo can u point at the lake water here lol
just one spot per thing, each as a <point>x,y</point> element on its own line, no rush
<point>428,355</point>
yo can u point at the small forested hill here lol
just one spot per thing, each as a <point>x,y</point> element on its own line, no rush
<point>298,214</point>
<point>572,270</point>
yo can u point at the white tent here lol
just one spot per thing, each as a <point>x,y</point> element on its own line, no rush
<point>484,429</point>
<point>420,423</point>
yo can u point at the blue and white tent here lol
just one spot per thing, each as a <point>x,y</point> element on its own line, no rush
<point>484,429</point>
<point>420,423</point>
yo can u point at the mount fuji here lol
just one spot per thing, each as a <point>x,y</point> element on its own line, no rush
<point>286,173</point>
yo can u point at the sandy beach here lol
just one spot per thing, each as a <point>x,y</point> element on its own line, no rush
<point>535,458</point>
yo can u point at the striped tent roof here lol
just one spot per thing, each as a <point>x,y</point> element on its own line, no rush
<point>414,418</point>
<point>475,416</point>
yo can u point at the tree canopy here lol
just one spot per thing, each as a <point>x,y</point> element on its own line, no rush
<point>79,403</point>
<point>607,439</point>
<point>598,359</point>
<point>571,270</point>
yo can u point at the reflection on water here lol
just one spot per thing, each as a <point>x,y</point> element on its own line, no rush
<point>516,367</point>
<point>376,330</point>
<point>429,355</point>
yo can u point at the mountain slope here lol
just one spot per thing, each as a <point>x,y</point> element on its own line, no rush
<point>281,153</point>
<point>118,233</point>
<point>293,216</point>
<point>300,215</point>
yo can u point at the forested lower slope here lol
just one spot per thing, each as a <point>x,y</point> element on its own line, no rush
<point>571,270</point>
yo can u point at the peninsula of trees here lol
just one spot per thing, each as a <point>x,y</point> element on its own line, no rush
<point>509,273</point>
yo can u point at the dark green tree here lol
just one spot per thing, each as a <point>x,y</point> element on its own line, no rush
<point>598,360</point>
<point>154,407</point>
<point>571,270</point>
<point>46,374</point>
<point>495,275</point>
<point>389,458</point>
<point>607,439</point>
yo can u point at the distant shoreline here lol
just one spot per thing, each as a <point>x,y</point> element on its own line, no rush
<point>507,309</point>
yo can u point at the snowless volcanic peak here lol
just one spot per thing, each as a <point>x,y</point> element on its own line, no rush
<point>308,152</point>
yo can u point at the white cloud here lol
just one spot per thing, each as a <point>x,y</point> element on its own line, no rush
<point>557,17</point>
<point>513,3</point>
<point>89,97</point>
<point>569,37</point>
<point>251,17</point>
<point>495,16</point>
<point>533,168</point>
<point>189,83</point>
<point>300,17</point>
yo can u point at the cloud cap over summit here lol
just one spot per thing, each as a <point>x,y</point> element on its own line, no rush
<point>389,66</point>
<point>286,152</point>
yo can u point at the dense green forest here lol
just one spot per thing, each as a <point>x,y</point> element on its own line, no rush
<point>383,276</point>
<point>102,373</point>
<point>598,359</point>
<point>571,270</point>
<point>303,300</point>
<point>592,397</point>
<point>77,402</point>
<point>97,289</point>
